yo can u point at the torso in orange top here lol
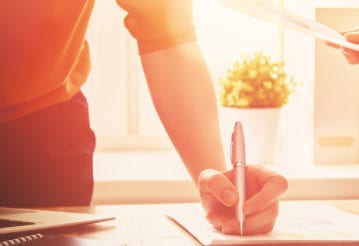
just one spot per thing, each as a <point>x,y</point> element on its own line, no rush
<point>44,58</point>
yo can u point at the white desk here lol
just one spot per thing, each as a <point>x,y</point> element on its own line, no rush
<point>145,225</point>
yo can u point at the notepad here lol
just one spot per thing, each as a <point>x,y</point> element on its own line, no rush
<point>296,223</point>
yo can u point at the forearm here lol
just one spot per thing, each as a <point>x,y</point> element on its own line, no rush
<point>183,94</point>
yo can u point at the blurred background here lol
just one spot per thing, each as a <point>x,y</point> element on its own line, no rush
<point>317,147</point>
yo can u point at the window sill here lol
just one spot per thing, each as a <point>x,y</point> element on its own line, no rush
<point>156,177</point>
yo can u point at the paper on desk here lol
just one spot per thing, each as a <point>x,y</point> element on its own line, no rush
<point>268,11</point>
<point>296,223</point>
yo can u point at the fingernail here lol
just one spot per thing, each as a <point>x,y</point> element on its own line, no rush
<point>229,197</point>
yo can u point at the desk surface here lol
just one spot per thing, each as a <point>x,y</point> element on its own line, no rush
<point>146,224</point>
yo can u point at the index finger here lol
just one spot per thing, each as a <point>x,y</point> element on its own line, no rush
<point>273,186</point>
<point>332,45</point>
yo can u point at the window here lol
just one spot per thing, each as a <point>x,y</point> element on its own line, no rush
<point>122,113</point>
<point>334,77</point>
<point>329,132</point>
<point>125,120</point>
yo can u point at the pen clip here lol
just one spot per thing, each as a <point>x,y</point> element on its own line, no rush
<point>237,149</point>
<point>231,150</point>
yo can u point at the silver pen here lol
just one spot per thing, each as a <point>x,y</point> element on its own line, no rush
<point>238,160</point>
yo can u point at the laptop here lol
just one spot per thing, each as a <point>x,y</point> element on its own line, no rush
<point>16,220</point>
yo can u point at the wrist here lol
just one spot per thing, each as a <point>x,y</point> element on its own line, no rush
<point>147,46</point>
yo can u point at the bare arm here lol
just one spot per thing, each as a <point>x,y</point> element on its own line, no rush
<point>183,94</point>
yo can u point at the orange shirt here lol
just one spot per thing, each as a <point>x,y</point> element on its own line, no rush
<point>44,58</point>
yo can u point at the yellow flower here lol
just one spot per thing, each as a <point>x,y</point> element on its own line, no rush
<point>256,82</point>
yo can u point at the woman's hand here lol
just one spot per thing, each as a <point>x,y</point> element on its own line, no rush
<point>352,56</point>
<point>219,197</point>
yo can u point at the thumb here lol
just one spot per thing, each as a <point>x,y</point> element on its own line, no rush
<point>352,37</point>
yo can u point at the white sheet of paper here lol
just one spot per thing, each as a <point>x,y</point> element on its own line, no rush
<point>268,11</point>
<point>296,223</point>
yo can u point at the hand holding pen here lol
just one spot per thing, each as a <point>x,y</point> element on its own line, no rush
<point>220,198</point>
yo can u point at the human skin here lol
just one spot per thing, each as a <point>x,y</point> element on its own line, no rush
<point>352,56</point>
<point>183,94</point>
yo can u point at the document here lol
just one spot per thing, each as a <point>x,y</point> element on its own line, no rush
<point>269,11</point>
<point>297,223</point>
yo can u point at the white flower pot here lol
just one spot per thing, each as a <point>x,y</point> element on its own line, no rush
<point>260,127</point>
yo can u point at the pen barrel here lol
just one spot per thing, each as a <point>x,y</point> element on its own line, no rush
<point>238,159</point>
<point>240,180</point>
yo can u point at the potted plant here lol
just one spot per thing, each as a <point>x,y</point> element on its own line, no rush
<point>253,91</point>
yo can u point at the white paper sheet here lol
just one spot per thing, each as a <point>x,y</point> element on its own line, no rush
<point>268,11</point>
<point>296,223</point>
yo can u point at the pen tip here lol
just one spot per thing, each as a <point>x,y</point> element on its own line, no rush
<point>241,229</point>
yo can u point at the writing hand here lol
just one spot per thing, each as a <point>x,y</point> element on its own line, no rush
<point>219,196</point>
